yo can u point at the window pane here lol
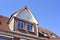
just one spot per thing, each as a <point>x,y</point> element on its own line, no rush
<point>29,27</point>
<point>3,39</point>
<point>20,25</point>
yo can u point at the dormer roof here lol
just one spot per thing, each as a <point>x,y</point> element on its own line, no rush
<point>25,14</point>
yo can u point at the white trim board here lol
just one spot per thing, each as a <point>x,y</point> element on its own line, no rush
<point>6,36</point>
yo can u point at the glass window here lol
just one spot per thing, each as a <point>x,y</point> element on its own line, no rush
<point>42,34</point>
<point>20,25</point>
<point>3,39</point>
<point>52,35</point>
<point>30,27</point>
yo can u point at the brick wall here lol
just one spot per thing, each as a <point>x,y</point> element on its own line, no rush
<point>25,27</point>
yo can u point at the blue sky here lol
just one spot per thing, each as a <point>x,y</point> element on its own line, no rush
<point>47,12</point>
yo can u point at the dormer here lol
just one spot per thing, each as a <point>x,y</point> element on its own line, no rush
<point>23,21</point>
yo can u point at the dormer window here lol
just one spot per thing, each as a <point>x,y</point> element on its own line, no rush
<point>45,35</point>
<point>30,28</point>
<point>20,25</point>
<point>52,35</point>
<point>42,34</point>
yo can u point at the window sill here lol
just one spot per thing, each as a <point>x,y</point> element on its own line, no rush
<point>32,32</point>
<point>22,30</point>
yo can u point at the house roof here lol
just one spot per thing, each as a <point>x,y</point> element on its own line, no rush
<point>4,26</point>
<point>3,23</point>
<point>40,29</point>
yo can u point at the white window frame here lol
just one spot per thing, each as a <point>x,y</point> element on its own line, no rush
<point>32,27</point>
<point>23,24</point>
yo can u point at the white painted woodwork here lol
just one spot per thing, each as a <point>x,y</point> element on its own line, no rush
<point>26,15</point>
<point>11,24</point>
